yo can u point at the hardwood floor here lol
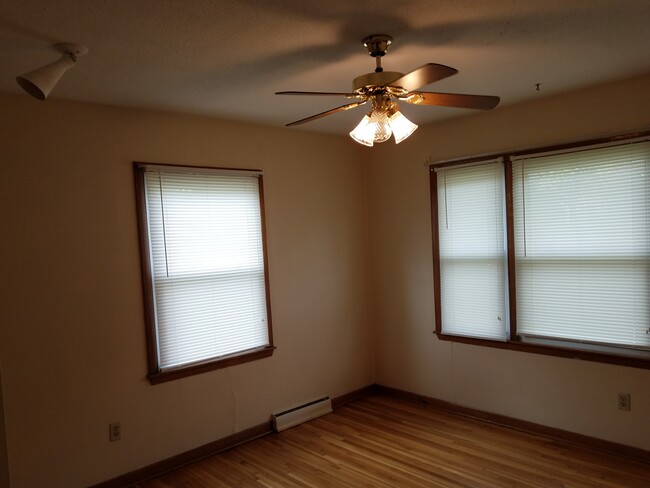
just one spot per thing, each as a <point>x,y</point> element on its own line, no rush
<point>382,441</point>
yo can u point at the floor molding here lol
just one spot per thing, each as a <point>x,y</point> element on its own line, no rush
<point>353,396</point>
<point>581,440</point>
<point>193,455</point>
<point>187,457</point>
<point>196,454</point>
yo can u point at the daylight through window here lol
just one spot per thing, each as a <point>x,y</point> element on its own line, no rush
<point>205,258</point>
<point>575,273</point>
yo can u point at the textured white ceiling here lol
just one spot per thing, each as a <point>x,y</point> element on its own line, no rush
<point>228,58</point>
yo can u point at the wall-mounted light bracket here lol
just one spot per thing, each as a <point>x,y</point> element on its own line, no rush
<point>40,82</point>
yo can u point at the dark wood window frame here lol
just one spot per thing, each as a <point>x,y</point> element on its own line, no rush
<point>155,374</point>
<point>515,343</point>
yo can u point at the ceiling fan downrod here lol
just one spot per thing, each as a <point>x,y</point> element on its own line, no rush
<point>377,46</point>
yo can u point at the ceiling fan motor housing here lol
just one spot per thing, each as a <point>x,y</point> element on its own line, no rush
<point>376,78</point>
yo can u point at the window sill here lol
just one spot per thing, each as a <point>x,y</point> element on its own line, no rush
<point>547,350</point>
<point>223,362</point>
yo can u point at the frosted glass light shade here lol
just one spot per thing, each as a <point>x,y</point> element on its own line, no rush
<point>364,133</point>
<point>378,126</point>
<point>382,130</point>
<point>373,128</point>
<point>401,126</point>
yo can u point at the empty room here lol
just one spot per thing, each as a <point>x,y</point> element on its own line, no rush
<point>282,243</point>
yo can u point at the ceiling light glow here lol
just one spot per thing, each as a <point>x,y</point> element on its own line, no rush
<point>383,121</point>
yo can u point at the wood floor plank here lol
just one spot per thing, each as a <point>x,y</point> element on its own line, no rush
<point>383,441</point>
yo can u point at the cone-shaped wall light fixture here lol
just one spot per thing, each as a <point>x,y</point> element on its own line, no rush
<point>39,82</point>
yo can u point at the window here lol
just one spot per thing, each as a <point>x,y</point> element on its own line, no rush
<point>547,250</point>
<point>472,251</point>
<point>204,268</point>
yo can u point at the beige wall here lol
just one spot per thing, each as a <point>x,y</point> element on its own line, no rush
<point>569,394</point>
<point>341,219</point>
<point>72,338</point>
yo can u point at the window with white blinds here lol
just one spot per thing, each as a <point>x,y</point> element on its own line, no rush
<point>547,250</point>
<point>472,250</point>
<point>582,245</point>
<point>207,263</point>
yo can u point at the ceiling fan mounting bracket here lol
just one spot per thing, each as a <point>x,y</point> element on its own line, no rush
<point>377,44</point>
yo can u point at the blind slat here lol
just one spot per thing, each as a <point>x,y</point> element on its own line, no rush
<point>472,250</point>
<point>208,264</point>
<point>582,243</point>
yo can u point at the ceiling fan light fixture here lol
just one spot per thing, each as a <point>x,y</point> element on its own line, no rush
<point>401,126</point>
<point>382,121</point>
<point>373,128</point>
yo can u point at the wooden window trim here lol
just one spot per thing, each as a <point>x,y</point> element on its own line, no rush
<point>222,362</point>
<point>155,374</point>
<point>515,343</point>
<point>563,352</point>
<point>437,296</point>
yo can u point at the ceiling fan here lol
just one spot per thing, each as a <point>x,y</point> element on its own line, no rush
<point>384,88</point>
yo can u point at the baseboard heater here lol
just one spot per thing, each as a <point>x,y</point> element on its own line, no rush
<point>303,413</point>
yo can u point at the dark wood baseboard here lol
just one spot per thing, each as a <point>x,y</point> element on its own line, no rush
<point>353,396</point>
<point>581,440</point>
<point>226,443</point>
<point>187,457</point>
<point>193,455</point>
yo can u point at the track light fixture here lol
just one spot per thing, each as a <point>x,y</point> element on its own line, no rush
<point>40,82</point>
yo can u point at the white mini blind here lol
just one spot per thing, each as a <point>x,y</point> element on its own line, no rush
<point>472,250</point>
<point>205,234</point>
<point>582,245</point>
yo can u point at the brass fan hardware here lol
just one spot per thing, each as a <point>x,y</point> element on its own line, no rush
<point>377,46</point>
<point>384,88</point>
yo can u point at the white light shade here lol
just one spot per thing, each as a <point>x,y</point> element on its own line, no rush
<point>39,82</point>
<point>364,133</point>
<point>401,126</point>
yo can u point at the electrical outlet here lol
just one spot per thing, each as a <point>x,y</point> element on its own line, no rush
<point>114,432</point>
<point>624,401</point>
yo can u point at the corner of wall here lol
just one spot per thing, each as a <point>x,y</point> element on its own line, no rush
<point>366,159</point>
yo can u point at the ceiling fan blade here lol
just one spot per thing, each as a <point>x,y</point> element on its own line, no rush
<point>424,75</point>
<point>348,95</point>
<point>458,100</point>
<point>328,112</point>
